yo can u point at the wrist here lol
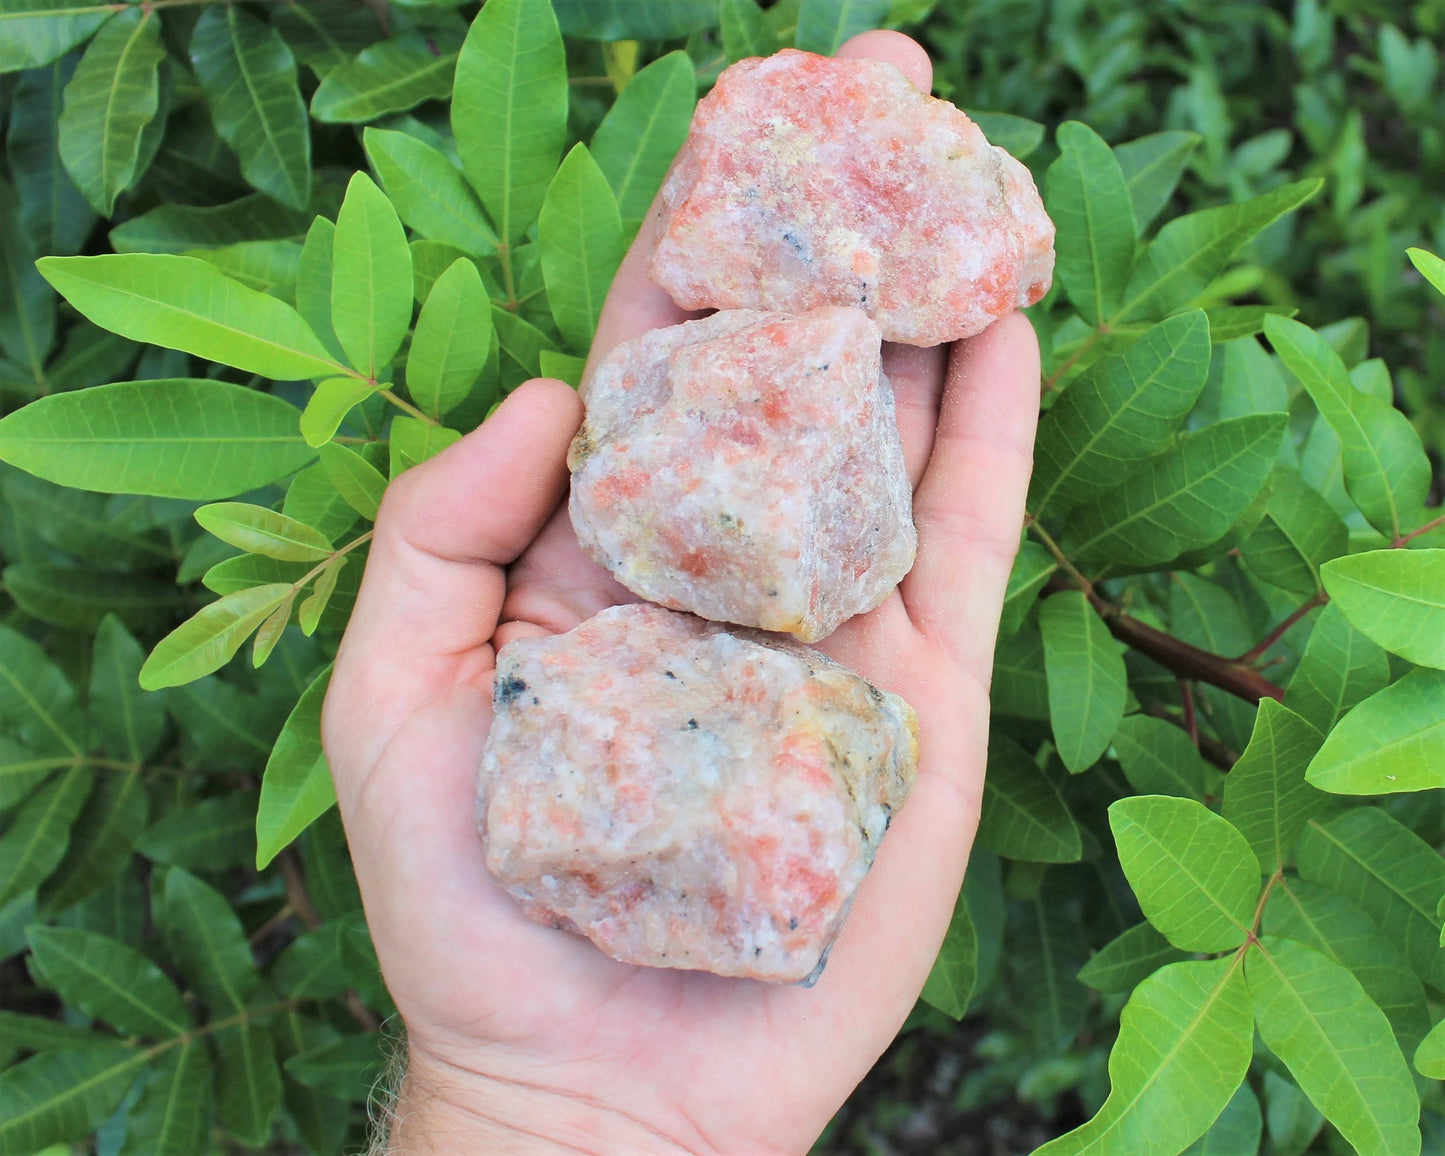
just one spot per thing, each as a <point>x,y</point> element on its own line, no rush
<point>445,1109</point>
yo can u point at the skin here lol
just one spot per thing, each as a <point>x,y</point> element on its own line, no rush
<point>526,1039</point>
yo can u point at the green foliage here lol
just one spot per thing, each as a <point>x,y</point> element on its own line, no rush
<point>1218,696</point>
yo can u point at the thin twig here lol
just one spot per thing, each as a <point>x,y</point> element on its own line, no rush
<point>1257,651</point>
<point>1191,720</point>
<point>1212,749</point>
<point>1405,539</point>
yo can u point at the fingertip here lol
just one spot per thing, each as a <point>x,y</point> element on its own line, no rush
<point>903,52</point>
<point>548,397</point>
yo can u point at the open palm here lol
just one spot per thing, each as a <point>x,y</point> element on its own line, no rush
<point>522,1038</point>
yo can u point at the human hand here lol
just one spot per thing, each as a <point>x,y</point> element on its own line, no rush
<point>522,1038</point>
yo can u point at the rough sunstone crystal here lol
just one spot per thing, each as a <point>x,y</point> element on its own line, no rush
<point>811,181</point>
<point>747,468</point>
<point>688,797</point>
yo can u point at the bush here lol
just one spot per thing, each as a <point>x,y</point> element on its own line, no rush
<point>1213,801</point>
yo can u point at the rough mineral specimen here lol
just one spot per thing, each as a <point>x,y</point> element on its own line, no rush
<point>747,467</point>
<point>811,181</point>
<point>686,797</point>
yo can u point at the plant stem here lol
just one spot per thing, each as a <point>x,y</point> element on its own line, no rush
<point>504,251</point>
<point>1404,539</point>
<point>1051,382</point>
<point>1257,651</point>
<point>406,407</point>
<point>1211,748</point>
<point>1191,720</point>
<point>1180,658</point>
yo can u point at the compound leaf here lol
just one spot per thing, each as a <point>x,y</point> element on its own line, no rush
<point>210,638</point>
<point>61,1096</point>
<point>823,25</point>
<point>1128,959</point>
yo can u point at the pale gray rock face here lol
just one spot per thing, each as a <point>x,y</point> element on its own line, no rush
<point>808,181</point>
<point>688,797</point>
<point>747,468</point>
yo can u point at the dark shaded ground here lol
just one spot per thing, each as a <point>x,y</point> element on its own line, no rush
<point>907,1106</point>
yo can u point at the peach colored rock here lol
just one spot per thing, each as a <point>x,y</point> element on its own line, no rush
<point>810,181</point>
<point>747,468</point>
<point>688,797</point>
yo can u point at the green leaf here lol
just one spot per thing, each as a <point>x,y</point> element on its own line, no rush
<point>111,982</point>
<point>112,97</point>
<point>1431,267</point>
<point>1152,166</point>
<point>1339,668</point>
<point>1187,497</point>
<point>262,531</point>
<point>35,32</point>
<point>249,79</point>
<point>452,342</point>
<point>331,401</point>
<point>521,345</point>
<point>267,266</point>
<point>37,702</point>
<point>954,974</point>
<point>509,109</point>
<point>205,937</point>
<point>1191,251</point>
<point>391,76</point>
<point>427,191</point>
<point>1237,1130</point>
<point>215,834</point>
<point>1045,949</point>
<point>1300,531</point>
<point>313,498</point>
<point>345,1068</point>
<point>1194,873</point>
<point>297,787</point>
<point>644,128</point>
<point>360,483</point>
<point>1388,872</point>
<point>185,303</point>
<point>1385,468</point>
<point>210,638</point>
<point>100,841</point>
<point>823,25</point>
<point>77,598</point>
<point>745,31</point>
<point>1033,566</point>
<point>1396,597</point>
<point>634,19</point>
<point>53,213</point>
<point>247,570</point>
<point>43,1034</point>
<point>61,1096</point>
<point>562,366</point>
<point>309,615</point>
<point>313,283</point>
<point>582,245</point>
<point>1024,816</point>
<point>1122,412</point>
<point>1090,203</point>
<point>248,1081</point>
<point>1014,134</point>
<point>1129,959</point>
<point>1393,741</point>
<point>1337,1044</point>
<point>1265,793</point>
<point>171,1117</point>
<point>1158,759</point>
<point>27,304</point>
<point>1086,678</point>
<point>182,228</point>
<point>326,34</point>
<point>37,835</point>
<point>370,279</point>
<point>1430,1055</point>
<point>413,442</point>
<point>1340,931</point>
<point>1184,1046</point>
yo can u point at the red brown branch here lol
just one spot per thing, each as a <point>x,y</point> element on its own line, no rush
<point>1212,749</point>
<point>1256,652</point>
<point>1433,523</point>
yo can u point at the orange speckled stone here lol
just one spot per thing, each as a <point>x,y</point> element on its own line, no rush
<point>688,797</point>
<point>747,467</point>
<point>810,181</point>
